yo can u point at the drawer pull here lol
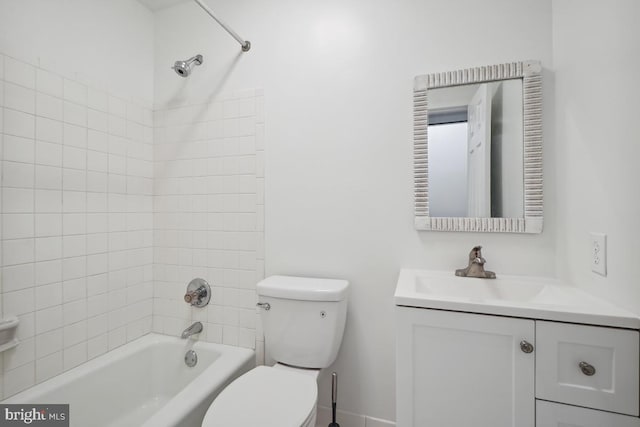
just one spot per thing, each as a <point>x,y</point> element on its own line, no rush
<point>526,346</point>
<point>587,369</point>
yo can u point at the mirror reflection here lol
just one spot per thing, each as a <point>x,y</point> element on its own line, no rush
<point>475,143</point>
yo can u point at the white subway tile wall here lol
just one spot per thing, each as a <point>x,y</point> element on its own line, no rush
<point>209,216</point>
<point>77,221</point>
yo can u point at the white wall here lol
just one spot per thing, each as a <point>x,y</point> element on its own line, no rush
<point>108,44</point>
<point>76,181</point>
<point>338,80</point>
<point>596,59</point>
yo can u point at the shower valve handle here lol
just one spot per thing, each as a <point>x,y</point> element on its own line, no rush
<point>198,293</point>
<point>192,296</point>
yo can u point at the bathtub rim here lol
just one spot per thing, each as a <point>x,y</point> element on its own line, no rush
<point>232,361</point>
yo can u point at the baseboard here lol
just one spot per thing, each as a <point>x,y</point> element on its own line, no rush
<point>349,419</point>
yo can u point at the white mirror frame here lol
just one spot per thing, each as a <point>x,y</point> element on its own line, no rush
<point>531,74</point>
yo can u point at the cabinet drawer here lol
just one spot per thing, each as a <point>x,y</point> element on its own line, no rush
<point>613,353</point>
<point>550,414</point>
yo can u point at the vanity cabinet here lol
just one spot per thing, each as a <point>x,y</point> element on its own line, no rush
<point>458,369</point>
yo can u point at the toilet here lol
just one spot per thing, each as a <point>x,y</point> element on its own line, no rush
<point>303,321</point>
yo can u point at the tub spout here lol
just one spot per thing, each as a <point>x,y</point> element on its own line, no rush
<point>196,328</point>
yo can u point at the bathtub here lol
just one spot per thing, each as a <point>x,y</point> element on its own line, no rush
<point>143,383</point>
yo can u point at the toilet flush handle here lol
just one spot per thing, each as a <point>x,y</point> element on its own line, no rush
<point>264,305</point>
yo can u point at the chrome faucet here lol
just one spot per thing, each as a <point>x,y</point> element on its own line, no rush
<point>196,328</point>
<point>476,266</point>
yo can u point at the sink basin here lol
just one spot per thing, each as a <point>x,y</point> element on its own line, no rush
<point>516,296</point>
<point>472,289</point>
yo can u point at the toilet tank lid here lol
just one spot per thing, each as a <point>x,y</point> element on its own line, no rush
<point>303,288</point>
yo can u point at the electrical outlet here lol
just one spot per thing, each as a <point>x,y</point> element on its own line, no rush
<point>599,253</point>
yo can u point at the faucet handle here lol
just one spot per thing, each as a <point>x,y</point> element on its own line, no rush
<point>198,293</point>
<point>476,266</point>
<point>191,297</point>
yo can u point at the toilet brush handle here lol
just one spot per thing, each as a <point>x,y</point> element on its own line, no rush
<point>334,387</point>
<point>334,397</point>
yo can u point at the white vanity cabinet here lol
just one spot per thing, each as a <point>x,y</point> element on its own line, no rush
<point>512,352</point>
<point>459,369</point>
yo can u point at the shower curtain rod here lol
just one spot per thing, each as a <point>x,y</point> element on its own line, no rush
<point>246,44</point>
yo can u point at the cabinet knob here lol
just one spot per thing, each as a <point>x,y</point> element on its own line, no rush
<point>587,369</point>
<point>526,346</point>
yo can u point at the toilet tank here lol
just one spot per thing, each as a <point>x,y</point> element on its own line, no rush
<point>305,320</point>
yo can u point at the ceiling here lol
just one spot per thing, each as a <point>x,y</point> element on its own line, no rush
<point>160,4</point>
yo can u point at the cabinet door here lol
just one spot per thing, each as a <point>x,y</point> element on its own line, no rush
<point>459,369</point>
<point>549,414</point>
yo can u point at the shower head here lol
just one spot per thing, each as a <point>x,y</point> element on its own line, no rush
<point>183,68</point>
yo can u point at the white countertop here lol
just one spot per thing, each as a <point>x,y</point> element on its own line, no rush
<point>516,296</point>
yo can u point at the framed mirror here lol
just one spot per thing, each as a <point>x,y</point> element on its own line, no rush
<point>478,149</point>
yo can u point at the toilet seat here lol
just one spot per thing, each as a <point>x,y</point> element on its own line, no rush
<point>265,397</point>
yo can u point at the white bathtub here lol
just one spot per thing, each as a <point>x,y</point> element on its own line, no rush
<point>144,383</point>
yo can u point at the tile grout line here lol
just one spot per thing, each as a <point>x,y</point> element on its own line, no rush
<point>2,58</point>
<point>33,294</point>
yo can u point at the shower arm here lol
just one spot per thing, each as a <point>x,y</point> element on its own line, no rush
<point>246,45</point>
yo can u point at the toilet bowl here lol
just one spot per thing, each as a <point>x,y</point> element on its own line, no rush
<point>303,321</point>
